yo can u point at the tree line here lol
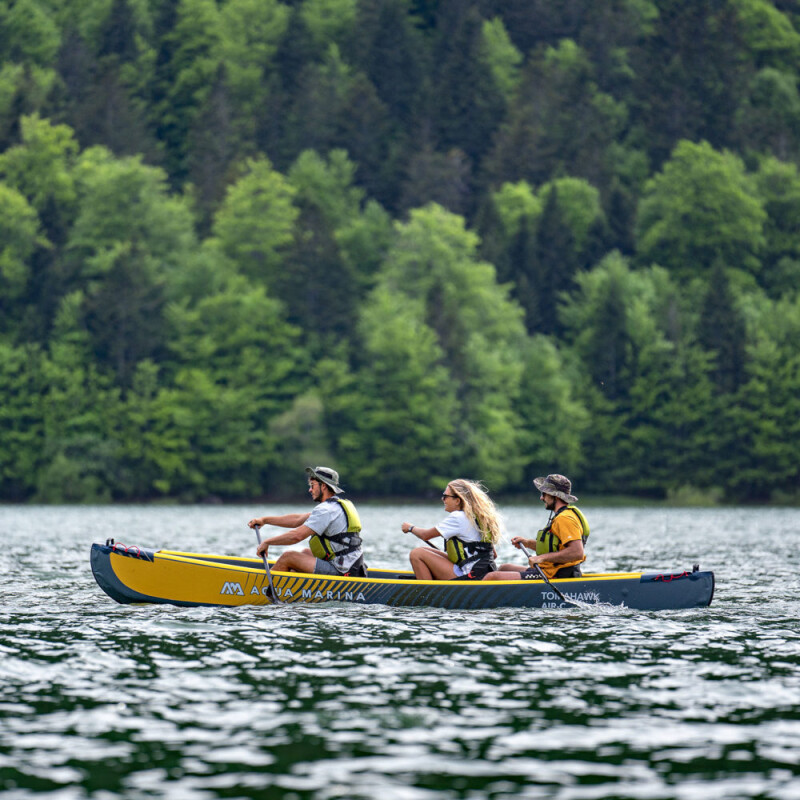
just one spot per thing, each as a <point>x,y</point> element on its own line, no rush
<point>412,239</point>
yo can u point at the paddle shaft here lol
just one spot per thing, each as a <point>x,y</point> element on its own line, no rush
<point>430,544</point>
<point>272,592</point>
<point>544,577</point>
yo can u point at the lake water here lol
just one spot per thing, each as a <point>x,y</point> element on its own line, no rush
<point>342,701</point>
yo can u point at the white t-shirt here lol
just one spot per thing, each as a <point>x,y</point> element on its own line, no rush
<point>457,524</point>
<point>328,519</point>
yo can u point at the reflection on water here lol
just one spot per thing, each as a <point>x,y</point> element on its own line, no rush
<point>340,701</point>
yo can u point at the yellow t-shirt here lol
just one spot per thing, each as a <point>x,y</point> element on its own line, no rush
<point>566,528</point>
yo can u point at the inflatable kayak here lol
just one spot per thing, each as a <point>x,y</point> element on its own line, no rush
<point>129,574</point>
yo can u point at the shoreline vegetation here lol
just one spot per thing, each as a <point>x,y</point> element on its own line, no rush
<point>412,240</point>
<point>687,499</point>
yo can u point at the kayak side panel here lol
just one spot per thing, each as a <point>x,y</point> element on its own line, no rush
<point>188,580</point>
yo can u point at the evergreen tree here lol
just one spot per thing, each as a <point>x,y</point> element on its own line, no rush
<point>721,330</point>
<point>22,391</point>
<point>690,75</point>
<point>469,105</point>
<point>553,267</point>
<point>560,123</point>
<point>442,178</point>
<point>213,151</point>
<point>392,52</point>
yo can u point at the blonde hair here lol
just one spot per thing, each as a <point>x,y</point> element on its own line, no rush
<point>478,508</point>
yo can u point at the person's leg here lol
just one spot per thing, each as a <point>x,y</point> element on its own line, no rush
<point>504,574</point>
<point>511,568</point>
<point>430,565</point>
<point>294,561</point>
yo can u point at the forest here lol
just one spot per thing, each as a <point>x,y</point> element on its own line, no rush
<point>413,240</point>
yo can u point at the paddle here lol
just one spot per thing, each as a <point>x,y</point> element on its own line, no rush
<point>544,577</point>
<point>430,544</point>
<point>272,593</point>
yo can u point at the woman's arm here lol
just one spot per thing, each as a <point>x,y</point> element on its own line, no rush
<point>426,534</point>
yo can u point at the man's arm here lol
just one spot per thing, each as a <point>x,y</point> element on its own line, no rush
<point>290,537</point>
<point>284,521</point>
<point>518,540</point>
<point>573,551</point>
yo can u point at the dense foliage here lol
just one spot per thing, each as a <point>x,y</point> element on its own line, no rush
<point>414,239</point>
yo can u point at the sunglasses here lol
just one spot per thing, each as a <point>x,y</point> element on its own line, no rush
<point>454,496</point>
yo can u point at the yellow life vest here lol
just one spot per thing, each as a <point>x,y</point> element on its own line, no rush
<point>547,541</point>
<point>460,551</point>
<point>349,540</point>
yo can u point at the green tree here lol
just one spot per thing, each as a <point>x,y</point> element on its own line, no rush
<point>400,410</point>
<point>213,152</point>
<point>255,223</point>
<point>554,417</point>
<point>29,40</point>
<point>757,432</point>
<point>250,34</point>
<point>19,237</point>
<point>329,20</point>
<point>768,118</point>
<point>779,188</point>
<point>41,169</point>
<point>392,51</point>
<point>442,178</point>
<point>768,32</point>
<point>500,56</point>
<point>22,391</point>
<point>701,207</point>
<point>646,389</point>
<point>81,451</point>
<point>129,237</point>
<point>721,330</point>
<point>470,106</point>
<point>432,270</point>
<point>187,59</point>
<point>690,76</point>
<point>331,262</point>
<point>559,123</point>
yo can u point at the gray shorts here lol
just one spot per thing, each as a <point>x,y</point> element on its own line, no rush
<point>326,568</point>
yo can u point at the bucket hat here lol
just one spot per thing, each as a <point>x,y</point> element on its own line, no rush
<point>556,485</point>
<point>326,475</point>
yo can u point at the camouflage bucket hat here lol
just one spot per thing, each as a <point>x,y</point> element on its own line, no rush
<point>326,475</point>
<point>556,485</point>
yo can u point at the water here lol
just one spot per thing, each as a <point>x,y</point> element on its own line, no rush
<point>341,701</point>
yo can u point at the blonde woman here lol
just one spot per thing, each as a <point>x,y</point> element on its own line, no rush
<point>470,531</point>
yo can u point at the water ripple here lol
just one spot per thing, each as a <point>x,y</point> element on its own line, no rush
<point>333,701</point>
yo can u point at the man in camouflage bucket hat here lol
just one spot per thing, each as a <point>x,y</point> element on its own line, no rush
<point>556,486</point>
<point>559,545</point>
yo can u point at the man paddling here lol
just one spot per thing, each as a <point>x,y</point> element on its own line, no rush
<point>559,545</point>
<point>334,527</point>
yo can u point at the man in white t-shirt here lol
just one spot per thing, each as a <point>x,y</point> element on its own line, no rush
<point>333,527</point>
